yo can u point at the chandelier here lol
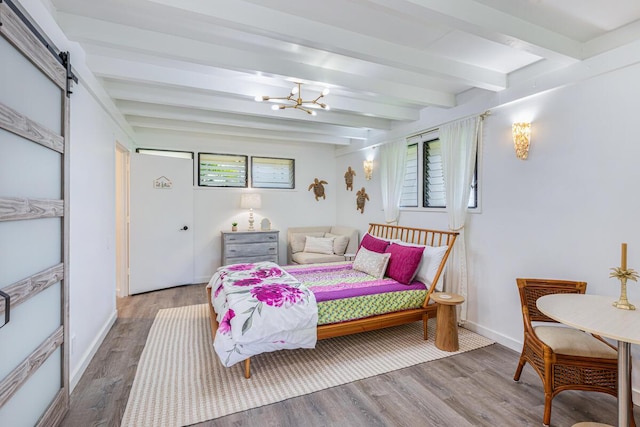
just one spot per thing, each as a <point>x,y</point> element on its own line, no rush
<point>294,100</point>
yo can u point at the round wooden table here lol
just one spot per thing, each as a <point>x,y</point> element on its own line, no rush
<point>447,324</point>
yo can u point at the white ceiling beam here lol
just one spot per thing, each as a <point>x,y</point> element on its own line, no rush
<point>476,18</point>
<point>188,99</point>
<point>622,57</point>
<point>151,137</point>
<point>613,39</point>
<point>263,20</point>
<point>208,128</point>
<point>114,68</point>
<point>132,108</point>
<point>91,30</point>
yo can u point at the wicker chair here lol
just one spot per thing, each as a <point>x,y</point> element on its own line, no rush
<point>564,358</point>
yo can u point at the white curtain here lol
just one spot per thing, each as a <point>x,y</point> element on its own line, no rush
<point>459,146</point>
<point>393,164</point>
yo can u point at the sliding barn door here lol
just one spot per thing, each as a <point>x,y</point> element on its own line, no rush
<point>34,106</point>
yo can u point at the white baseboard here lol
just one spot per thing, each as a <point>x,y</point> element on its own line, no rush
<point>202,279</point>
<point>91,351</point>
<point>496,336</point>
<point>517,347</point>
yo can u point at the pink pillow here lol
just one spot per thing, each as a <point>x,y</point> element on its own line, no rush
<point>404,262</point>
<point>375,245</point>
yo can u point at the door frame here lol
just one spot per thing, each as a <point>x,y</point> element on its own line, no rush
<point>123,171</point>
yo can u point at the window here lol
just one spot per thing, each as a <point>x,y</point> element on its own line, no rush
<point>434,190</point>
<point>410,187</point>
<point>222,170</point>
<point>169,153</point>
<point>166,153</point>
<point>268,172</point>
<point>432,184</point>
<point>434,195</point>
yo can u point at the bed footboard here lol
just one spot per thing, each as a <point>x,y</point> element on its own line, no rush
<point>213,322</point>
<point>213,319</point>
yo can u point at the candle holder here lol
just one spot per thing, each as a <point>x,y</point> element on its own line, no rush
<point>623,276</point>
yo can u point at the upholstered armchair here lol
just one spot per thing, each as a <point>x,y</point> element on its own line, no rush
<point>564,358</point>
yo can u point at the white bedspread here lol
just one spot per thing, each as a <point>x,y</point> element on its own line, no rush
<point>261,308</point>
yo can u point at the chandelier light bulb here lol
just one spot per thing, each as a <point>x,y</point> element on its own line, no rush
<point>258,98</point>
<point>313,113</point>
<point>275,107</point>
<point>325,92</point>
<point>294,90</point>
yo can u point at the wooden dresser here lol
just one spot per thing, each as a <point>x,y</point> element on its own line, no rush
<point>249,246</point>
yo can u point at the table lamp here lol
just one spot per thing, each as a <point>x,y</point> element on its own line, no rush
<point>250,201</point>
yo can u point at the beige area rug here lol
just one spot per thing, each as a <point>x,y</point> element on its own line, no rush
<point>180,380</point>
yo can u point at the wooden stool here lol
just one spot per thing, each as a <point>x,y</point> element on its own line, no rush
<point>447,325</point>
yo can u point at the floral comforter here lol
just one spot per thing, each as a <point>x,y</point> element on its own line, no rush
<point>261,308</point>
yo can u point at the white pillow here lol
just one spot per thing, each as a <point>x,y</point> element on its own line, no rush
<point>319,245</point>
<point>297,240</point>
<point>372,263</point>
<point>340,243</point>
<point>431,259</point>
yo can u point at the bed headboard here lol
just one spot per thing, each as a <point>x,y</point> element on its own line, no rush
<point>419,236</point>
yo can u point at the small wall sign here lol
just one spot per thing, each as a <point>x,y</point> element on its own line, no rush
<point>162,183</point>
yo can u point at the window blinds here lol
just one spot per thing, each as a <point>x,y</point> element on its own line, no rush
<point>269,172</point>
<point>222,170</point>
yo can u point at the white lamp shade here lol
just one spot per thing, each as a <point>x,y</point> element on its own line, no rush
<point>250,201</point>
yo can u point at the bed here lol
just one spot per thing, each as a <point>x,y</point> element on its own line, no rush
<point>353,305</point>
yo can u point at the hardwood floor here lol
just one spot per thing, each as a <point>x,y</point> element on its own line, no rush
<point>470,389</point>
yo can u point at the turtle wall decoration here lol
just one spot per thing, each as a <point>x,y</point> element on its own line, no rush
<point>348,178</point>
<point>318,188</point>
<point>361,197</point>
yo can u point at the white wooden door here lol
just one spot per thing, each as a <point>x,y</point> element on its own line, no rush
<point>161,235</point>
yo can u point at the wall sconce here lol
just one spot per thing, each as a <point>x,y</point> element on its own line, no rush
<point>250,201</point>
<point>368,169</point>
<point>521,138</point>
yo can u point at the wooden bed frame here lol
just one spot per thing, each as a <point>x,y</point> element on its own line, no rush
<point>420,236</point>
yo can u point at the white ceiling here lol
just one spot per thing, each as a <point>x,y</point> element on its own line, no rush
<point>196,65</point>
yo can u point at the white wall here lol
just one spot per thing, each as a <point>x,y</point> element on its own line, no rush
<point>92,235</point>
<point>563,213</point>
<point>347,213</point>
<point>216,208</point>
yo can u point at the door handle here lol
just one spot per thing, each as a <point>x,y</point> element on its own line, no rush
<point>185,228</point>
<point>7,307</point>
